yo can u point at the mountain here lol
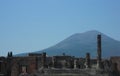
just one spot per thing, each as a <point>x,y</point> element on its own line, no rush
<point>80,43</point>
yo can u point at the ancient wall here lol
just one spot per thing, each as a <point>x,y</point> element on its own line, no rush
<point>3,67</point>
<point>116,59</point>
<point>18,63</point>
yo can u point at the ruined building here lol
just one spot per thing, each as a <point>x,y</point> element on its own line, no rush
<point>42,65</point>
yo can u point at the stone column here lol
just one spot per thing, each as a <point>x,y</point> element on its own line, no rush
<point>87,60</point>
<point>75,64</point>
<point>53,62</point>
<point>43,59</point>
<point>64,64</point>
<point>99,51</point>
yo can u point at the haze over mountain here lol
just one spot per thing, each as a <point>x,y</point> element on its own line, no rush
<point>80,43</point>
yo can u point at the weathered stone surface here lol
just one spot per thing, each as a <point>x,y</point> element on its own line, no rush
<point>99,51</point>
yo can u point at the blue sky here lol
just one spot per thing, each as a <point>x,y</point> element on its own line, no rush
<point>32,25</point>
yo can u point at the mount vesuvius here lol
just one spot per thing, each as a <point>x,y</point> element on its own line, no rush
<point>80,43</point>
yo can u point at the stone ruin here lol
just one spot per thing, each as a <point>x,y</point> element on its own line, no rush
<point>42,65</point>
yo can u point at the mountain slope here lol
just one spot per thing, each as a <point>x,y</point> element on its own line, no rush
<point>81,43</point>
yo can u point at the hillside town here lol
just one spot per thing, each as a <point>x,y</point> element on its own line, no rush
<point>41,64</point>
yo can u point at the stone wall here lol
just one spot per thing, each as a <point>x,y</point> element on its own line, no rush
<point>116,59</point>
<point>19,62</point>
<point>3,67</point>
